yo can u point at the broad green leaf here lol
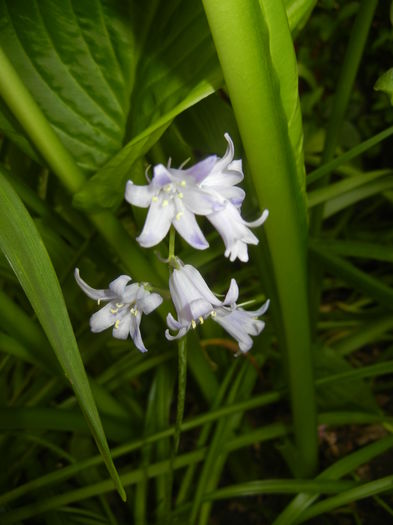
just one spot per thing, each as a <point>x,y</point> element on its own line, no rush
<point>24,249</point>
<point>385,84</point>
<point>77,59</point>
<point>298,12</point>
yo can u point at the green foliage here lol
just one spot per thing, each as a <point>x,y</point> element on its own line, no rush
<point>92,93</point>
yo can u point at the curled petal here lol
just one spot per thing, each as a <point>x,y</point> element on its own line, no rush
<point>139,195</point>
<point>135,333</point>
<point>118,286</point>
<point>258,222</point>
<point>180,334</point>
<point>105,295</point>
<point>162,175</point>
<point>172,323</point>
<point>158,221</point>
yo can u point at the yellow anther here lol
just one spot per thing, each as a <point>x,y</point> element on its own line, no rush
<point>180,195</point>
<point>183,183</point>
<point>179,215</point>
<point>155,199</point>
<point>201,319</point>
<point>98,302</point>
<point>117,323</point>
<point>132,310</point>
<point>165,203</point>
<point>119,305</point>
<point>136,312</point>
<point>168,188</point>
<point>114,310</point>
<point>193,323</point>
<point>213,313</point>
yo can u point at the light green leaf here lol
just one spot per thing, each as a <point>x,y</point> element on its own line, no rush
<point>76,58</point>
<point>385,84</point>
<point>26,253</point>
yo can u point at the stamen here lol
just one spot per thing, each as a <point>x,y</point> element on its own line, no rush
<point>213,313</point>
<point>183,183</point>
<point>114,310</point>
<point>165,203</point>
<point>117,323</point>
<point>179,215</point>
<point>180,195</point>
<point>119,305</point>
<point>132,310</point>
<point>201,319</point>
<point>98,302</point>
<point>193,324</point>
<point>168,188</point>
<point>155,198</point>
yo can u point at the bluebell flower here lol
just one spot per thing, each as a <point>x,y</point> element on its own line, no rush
<point>195,302</point>
<point>124,310</point>
<point>176,196</point>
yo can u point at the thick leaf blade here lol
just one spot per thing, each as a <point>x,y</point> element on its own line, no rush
<point>24,249</point>
<point>76,58</point>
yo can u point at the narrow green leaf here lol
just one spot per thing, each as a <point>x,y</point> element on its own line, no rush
<point>23,247</point>
<point>360,280</point>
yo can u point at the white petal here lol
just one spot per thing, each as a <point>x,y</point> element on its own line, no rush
<point>180,334</point>
<point>121,330</point>
<point>149,302</point>
<point>158,221</point>
<point>258,222</point>
<point>200,308</point>
<point>187,226</point>
<point>172,323</point>
<point>139,195</point>
<point>118,285</point>
<point>261,310</point>
<point>232,294</point>
<point>202,202</point>
<point>103,319</point>
<point>105,295</point>
<point>199,286</point>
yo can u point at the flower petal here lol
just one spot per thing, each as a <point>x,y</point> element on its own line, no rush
<point>162,175</point>
<point>149,302</point>
<point>158,221</point>
<point>202,202</point>
<point>258,222</point>
<point>121,329</point>
<point>232,293</point>
<point>199,286</point>
<point>202,169</point>
<point>139,195</point>
<point>172,323</point>
<point>103,319</point>
<point>135,332</point>
<point>119,284</point>
<point>180,334</point>
<point>105,295</point>
<point>187,226</point>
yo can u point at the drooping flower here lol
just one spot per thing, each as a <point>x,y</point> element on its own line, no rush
<point>124,310</point>
<point>194,302</point>
<point>175,196</point>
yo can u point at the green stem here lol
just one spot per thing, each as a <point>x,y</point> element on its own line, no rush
<point>254,85</point>
<point>181,392</point>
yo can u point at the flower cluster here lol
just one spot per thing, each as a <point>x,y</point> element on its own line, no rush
<point>175,197</point>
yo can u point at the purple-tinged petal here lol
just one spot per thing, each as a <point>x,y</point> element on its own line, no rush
<point>187,226</point>
<point>200,201</point>
<point>263,309</point>
<point>200,308</point>
<point>103,319</point>
<point>130,293</point>
<point>162,175</point>
<point>232,293</point>
<point>135,332</point>
<point>158,221</point>
<point>202,169</point>
<point>139,195</point>
<point>119,284</point>
<point>97,295</point>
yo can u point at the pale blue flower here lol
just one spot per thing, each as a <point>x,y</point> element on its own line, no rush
<point>175,196</point>
<point>195,302</point>
<point>124,311</point>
